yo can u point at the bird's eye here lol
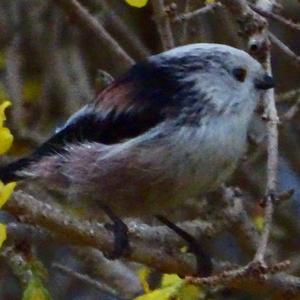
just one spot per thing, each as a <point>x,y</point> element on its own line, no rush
<point>239,74</point>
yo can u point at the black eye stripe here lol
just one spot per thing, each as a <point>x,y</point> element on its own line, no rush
<point>239,74</point>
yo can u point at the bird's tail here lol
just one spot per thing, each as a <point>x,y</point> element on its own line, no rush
<point>11,171</point>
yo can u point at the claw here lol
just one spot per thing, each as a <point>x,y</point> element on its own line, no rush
<point>120,231</point>
<point>204,263</point>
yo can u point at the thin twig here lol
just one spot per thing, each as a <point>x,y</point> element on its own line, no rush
<point>119,27</point>
<point>85,278</point>
<point>272,166</point>
<point>288,96</point>
<point>255,28</point>
<point>274,16</point>
<point>291,112</point>
<point>285,49</point>
<point>116,273</point>
<point>163,24</point>
<point>198,12</point>
<point>15,83</point>
<point>84,19</point>
<point>18,263</point>
<point>185,23</point>
<point>242,273</point>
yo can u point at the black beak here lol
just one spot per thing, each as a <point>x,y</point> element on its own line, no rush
<point>265,83</point>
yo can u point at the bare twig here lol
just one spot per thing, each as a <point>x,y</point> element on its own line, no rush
<point>285,49</point>
<point>292,112</point>
<point>85,20</point>
<point>14,83</point>
<point>18,263</point>
<point>200,11</point>
<point>85,278</point>
<point>243,273</point>
<point>116,24</point>
<point>185,23</point>
<point>163,24</point>
<point>152,254</point>
<point>17,232</point>
<point>274,16</point>
<point>272,166</point>
<point>255,28</point>
<point>114,273</point>
<point>86,233</point>
<point>288,96</point>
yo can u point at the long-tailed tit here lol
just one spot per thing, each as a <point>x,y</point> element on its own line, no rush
<point>172,127</point>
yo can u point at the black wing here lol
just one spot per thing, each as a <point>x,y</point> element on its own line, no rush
<point>131,105</point>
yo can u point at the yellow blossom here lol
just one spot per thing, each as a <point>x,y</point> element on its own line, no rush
<point>6,191</point>
<point>143,275</point>
<point>35,291</point>
<point>137,3</point>
<point>3,106</point>
<point>172,287</point>
<point>6,137</point>
<point>2,234</point>
<point>259,222</point>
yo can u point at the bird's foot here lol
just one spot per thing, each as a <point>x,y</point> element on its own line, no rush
<point>120,231</point>
<point>204,262</point>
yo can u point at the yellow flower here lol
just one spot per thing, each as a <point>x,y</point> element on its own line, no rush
<point>137,3</point>
<point>2,234</point>
<point>3,106</point>
<point>143,275</point>
<point>172,287</point>
<point>6,191</point>
<point>6,137</point>
<point>35,291</point>
<point>259,222</point>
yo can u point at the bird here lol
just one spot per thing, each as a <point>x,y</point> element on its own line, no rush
<point>173,127</point>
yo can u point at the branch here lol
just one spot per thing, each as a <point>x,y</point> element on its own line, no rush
<point>272,165</point>
<point>243,273</point>
<point>162,21</point>
<point>255,29</point>
<point>291,112</point>
<point>18,264</point>
<point>164,258</point>
<point>117,25</point>
<point>85,20</point>
<point>288,96</point>
<point>195,13</point>
<point>85,278</point>
<point>272,15</point>
<point>115,274</point>
<point>285,49</point>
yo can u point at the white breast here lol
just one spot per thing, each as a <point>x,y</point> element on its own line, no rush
<point>204,157</point>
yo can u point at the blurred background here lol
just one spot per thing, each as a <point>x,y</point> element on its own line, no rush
<point>50,67</point>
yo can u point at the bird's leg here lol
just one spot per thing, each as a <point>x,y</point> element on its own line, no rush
<point>120,231</point>
<point>204,263</point>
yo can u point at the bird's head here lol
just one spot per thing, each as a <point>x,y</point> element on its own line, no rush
<point>199,77</point>
<point>230,79</point>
